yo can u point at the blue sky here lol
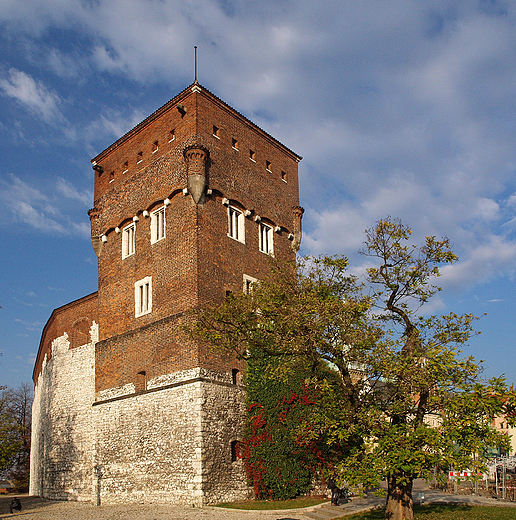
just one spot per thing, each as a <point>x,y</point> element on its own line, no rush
<point>402,107</point>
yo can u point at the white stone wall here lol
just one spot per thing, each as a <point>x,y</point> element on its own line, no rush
<point>223,421</point>
<point>170,445</point>
<point>62,451</point>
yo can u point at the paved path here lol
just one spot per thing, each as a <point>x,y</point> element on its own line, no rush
<point>356,505</point>
<point>38,509</point>
<point>35,508</point>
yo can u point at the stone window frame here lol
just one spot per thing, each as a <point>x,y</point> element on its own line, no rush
<point>266,238</point>
<point>158,225</point>
<point>143,296</point>
<point>236,224</point>
<point>248,282</point>
<point>129,240</point>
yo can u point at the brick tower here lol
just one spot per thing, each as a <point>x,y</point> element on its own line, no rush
<point>188,206</point>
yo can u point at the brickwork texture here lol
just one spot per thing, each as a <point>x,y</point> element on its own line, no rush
<point>127,407</point>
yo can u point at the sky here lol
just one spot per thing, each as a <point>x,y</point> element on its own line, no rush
<point>401,108</point>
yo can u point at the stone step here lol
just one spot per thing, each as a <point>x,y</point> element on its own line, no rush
<point>336,509</point>
<point>320,514</point>
<point>327,512</point>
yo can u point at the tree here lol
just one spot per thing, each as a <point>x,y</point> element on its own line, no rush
<point>15,432</point>
<point>405,403</point>
<point>281,328</point>
<point>422,376</point>
<point>10,441</point>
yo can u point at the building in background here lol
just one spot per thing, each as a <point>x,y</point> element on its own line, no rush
<point>188,206</point>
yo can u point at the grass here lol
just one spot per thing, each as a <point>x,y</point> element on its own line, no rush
<point>426,512</point>
<point>446,512</point>
<point>274,504</point>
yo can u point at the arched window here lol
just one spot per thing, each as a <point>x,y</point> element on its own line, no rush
<point>80,332</point>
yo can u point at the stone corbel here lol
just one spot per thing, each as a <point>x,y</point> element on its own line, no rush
<point>196,158</point>
<point>96,240</point>
<point>298,216</point>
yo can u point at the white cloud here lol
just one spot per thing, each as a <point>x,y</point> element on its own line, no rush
<point>105,61</point>
<point>34,96</point>
<point>405,109</point>
<point>30,325</point>
<point>111,125</point>
<point>493,257</point>
<point>484,255</point>
<point>42,211</point>
<point>69,191</point>
<point>65,66</point>
<point>487,209</point>
<point>335,232</point>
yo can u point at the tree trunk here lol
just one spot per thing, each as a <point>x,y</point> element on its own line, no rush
<point>400,505</point>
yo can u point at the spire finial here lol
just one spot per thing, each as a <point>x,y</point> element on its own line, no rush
<point>195,59</point>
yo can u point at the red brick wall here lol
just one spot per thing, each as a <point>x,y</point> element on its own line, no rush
<point>236,176</point>
<point>75,319</point>
<point>196,262</point>
<point>125,153</point>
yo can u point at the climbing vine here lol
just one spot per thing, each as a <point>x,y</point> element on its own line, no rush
<point>281,461</point>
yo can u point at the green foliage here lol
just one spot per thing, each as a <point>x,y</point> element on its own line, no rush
<point>10,435</point>
<point>446,512</point>
<point>281,462</point>
<point>15,431</point>
<point>402,401</point>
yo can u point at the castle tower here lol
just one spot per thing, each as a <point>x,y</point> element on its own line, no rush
<point>188,206</point>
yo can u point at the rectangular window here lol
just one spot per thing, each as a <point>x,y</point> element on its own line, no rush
<point>266,235</point>
<point>141,381</point>
<point>234,451</point>
<point>268,166</point>
<point>143,297</point>
<point>157,225</point>
<point>234,143</point>
<point>252,155</point>
<point>236,227</point>
<point>216,132</point>
<point>128,240</point>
